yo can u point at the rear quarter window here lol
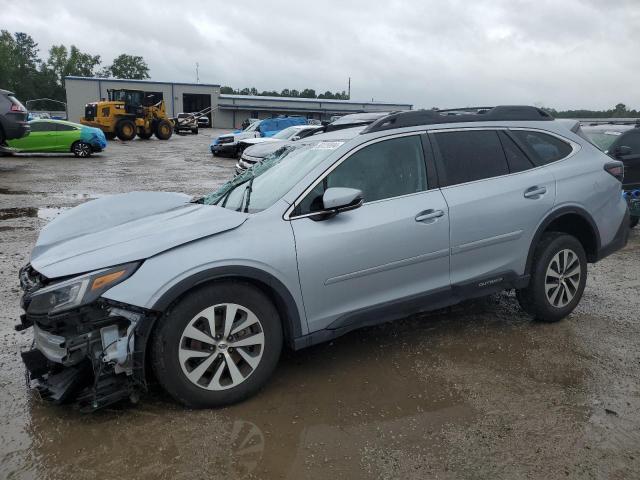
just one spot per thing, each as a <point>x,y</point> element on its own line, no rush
<point>542,148</point>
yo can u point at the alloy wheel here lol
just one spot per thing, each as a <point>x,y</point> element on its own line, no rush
<point>221,346</point>
<point>562,278</point>
<point>82,150</point>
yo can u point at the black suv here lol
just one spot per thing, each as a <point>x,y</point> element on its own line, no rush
<point>13,117</point>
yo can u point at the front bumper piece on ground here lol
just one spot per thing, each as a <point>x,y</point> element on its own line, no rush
<point>92,357</point>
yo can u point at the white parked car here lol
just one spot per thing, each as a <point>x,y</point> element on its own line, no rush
<point>291,133</point>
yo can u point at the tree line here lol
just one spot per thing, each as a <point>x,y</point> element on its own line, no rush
<point>619,111</point>
<point>23,72</point>
<point>306,93</point>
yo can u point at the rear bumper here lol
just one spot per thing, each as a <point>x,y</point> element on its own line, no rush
<point>16,129</point>
<point>619,241</point>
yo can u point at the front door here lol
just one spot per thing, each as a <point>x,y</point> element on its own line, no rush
<point>393,248</point>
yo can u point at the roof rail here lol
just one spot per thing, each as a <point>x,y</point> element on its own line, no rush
<point>414,118</point>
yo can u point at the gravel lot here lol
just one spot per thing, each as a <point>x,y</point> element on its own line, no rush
<point>475,391</point>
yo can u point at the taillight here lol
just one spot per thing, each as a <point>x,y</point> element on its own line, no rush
<point>17,108</point>
<point>616,169</point>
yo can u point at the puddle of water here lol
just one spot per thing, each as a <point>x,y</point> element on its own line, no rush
<point>6,191</point>
<point>45,213</point>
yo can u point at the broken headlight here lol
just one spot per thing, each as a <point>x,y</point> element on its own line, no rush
<point>78,291</point>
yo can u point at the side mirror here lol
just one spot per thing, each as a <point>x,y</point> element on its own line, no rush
<point>338,199</point>
<point>294,138</point>
<point>622,151</point>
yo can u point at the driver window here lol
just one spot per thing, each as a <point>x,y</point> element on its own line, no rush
<point>382,170</point>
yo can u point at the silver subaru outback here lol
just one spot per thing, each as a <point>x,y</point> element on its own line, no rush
<point>421,210</point>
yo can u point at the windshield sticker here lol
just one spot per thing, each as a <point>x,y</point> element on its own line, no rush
<point>327,145</point>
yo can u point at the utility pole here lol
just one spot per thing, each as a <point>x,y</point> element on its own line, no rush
<point>349,90</point>
<point>197,73</point>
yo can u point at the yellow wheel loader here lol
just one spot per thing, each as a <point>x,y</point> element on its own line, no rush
<point>128,113</point>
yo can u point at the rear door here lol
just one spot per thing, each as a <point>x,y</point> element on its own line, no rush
<point>496,198</point>
<point>392,249</point>
<point>39,140</point>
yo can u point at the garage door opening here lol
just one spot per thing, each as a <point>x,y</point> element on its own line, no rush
<point>195,102</point>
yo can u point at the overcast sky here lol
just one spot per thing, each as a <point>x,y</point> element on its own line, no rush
<point>562,54</point>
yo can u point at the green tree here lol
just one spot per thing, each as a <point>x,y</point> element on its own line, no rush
<point>227,90</point>
<point>127,66</point>
<point>308,93</point>
<point>71,62</point>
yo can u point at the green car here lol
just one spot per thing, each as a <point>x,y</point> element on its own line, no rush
<point>50,136</point>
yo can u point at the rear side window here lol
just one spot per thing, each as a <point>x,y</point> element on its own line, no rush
<point>61,127</point>
<point>42,127</point>
<point>517,160</point>
<point>541,147</point>
<point>469,155</point>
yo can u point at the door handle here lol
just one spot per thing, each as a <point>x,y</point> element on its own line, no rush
<point>535,192</point>
<point>430,214</point>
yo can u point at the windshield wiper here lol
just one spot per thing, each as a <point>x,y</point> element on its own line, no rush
<point>248,191</point>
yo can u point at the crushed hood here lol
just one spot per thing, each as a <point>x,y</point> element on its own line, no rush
<point>124,228</point>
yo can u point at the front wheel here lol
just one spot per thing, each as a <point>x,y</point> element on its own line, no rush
<point>218,345</point>
<point>81,149</point>
<point>164,129</point>
<point>634,222</point>
<point>558,278</point>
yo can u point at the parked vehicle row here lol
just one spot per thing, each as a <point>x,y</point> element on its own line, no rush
<point>250,155</point>
<point>205,292</point>
<point>229,143</point>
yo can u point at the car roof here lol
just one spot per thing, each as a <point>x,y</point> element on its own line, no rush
<point>360,117</point>
<point>53,120</point>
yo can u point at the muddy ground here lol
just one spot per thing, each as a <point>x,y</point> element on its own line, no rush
<point>476,391</point>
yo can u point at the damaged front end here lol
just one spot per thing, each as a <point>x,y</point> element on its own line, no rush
<point>86,349</point>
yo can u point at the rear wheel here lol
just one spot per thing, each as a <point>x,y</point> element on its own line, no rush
<point>81,149</point>
<point>126,130</point>
<point>3,138</point>
<point>109,135</point>
<point>218,345</point>
<point>194,131</point>
<point>164,130</point>
<point>558,278</point>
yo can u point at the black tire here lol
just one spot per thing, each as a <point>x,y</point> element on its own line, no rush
<point>164,129</point>
<point>194,131</point>
<point>126,130</point>
<point>167,337</point>
<point>109,135</point>
<point>144,135</point>
<point>81,149</point>
<point>634,222</point>
<point>533,299</point>
<point>3,137</point>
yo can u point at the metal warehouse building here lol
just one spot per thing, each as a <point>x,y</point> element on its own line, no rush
<point>229,111</point>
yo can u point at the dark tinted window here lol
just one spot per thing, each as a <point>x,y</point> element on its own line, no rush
<point>470,155</point>
<point>382,170</point>
<point>541,147</point>
<point>42,127</point>
<point>631,140</point>
<point>517,160</point>
<point>61,127</point>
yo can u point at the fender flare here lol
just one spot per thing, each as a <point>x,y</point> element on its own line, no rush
<point>554,215</point>
<point>285,303</point>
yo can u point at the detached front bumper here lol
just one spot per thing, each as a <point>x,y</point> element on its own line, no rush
<point>92,356</point>
<point>224,148</point>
